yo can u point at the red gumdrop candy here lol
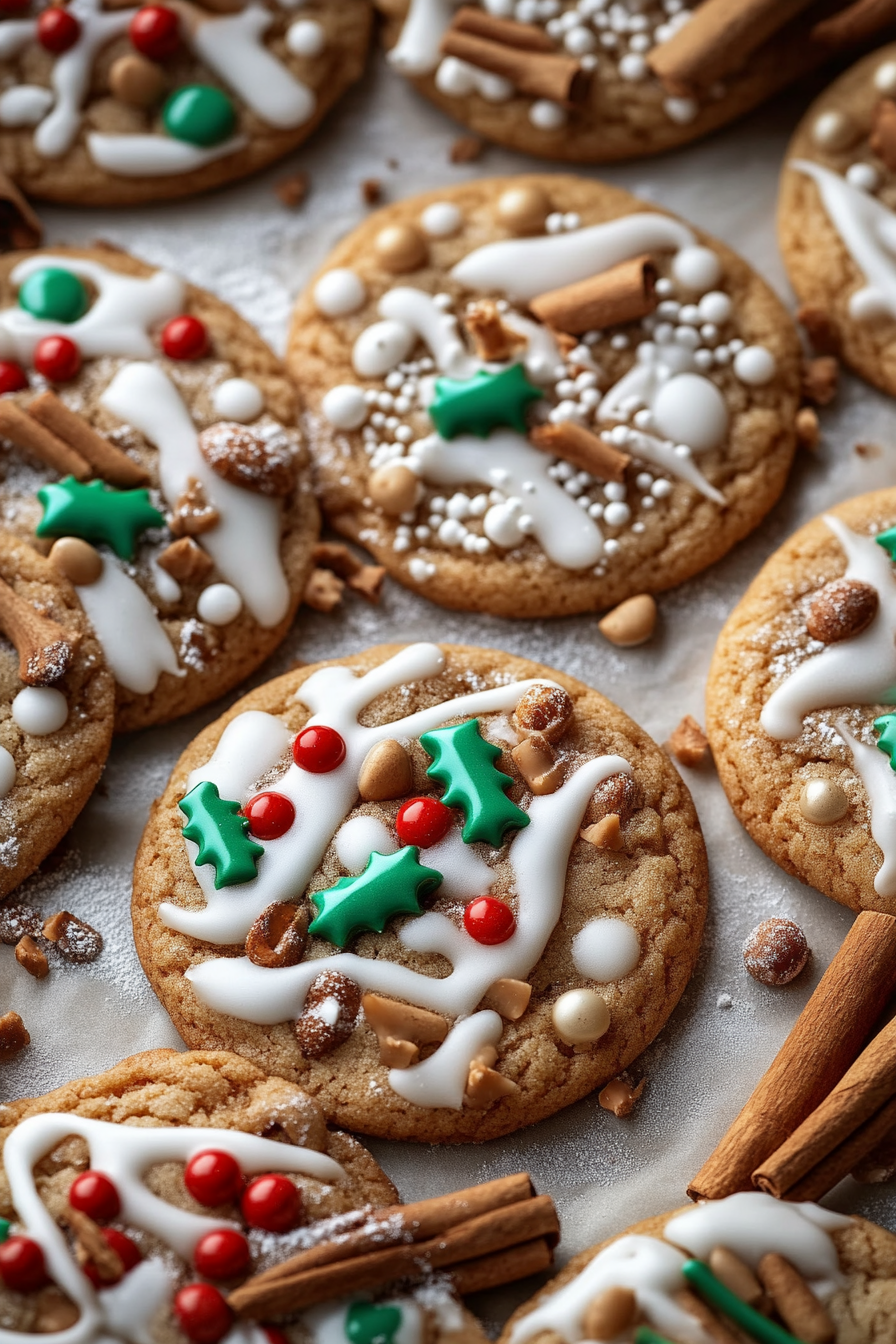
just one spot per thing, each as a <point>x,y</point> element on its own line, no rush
<point>222,1254</point>
<point>22,1267</point>
<point>318,749</point>
<point>57,29</point>
<point>184,338</point>
<point>123,1247</point>
<point>13,377</point>
<point>94,1194</point>
<point>489,920</point>
<point>270,815</point>
<point>213,1177</point>
<point>272,1203</point>
<point>155,32</point>
<point>202,1313</point>
<point>56,357</point>
<point>423,822</point>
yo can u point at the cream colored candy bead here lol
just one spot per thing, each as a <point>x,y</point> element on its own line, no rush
<point>136,81</point>
<point>823,801</point>
<point>393,489</point>
<point>523,209</point>
<point>77,560</point>
<point>834,130</point>
<point>386,772</point>
<point>885,78</point>
<point>630,623</point>
<point>613,1311</point>
<point>580,1016</point>
<point>401,247</point>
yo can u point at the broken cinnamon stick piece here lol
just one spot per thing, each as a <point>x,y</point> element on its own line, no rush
<point>45,649</point>
<point>794,1300</point>
<point>20,227</point>
<point>107,461</point>
<point>718,38</point>
<point>538,74</point>
<point>493,341</point>
<point>25,432</point>
<point>491,1271</point>
<point>577,445</point>
<point>832,1169</point>
<point>526,36</point>
<point>624,293</point>
<point>854,24</point>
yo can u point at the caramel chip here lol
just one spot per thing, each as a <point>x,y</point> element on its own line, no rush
<point>688,743</point>
<point>75,940</point>
<point>13,1035</point>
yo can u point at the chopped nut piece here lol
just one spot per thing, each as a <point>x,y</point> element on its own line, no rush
<point>630,623</point>
<point>493,341</point>
<point>279,935</point>
<point>293,190</point>
<point>399,1026</point>
<point>610,1313</point>
<point>620,1097</point>
<point>386,772</point>
<point>619,794</point>
<point>776,951</point>
<point>485,1086</point>
<point>92,1248</point>
<point>820,329</point>
<point>604,834</point>
<point>509,997</point>
<point>16,920</point>
<point>393,489</point>
<point>186,561</point>
<point>808,430</point>
<point>74,939</point>
<point>794,1300</point>
<point>820,379</point>
<point>841,610</point>
<point>31,958</point>
<point>688,743</point>
<point>534,758</point>
<point>335,555</point>
<point>544,709</point>
<point>323,591</point>
<point>736,1275</point>
<point>368,582</point>
<point>13,1035</point>
<point>371,191</point>
<point>262,462</point>
<point>466,149</point>
<point>328,1018</point>
<point>398,1054</point>
<point>193,514</point>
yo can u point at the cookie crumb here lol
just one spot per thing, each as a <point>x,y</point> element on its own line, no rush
<point>808,430</point>
<point>335,555</point>
<point>75,940</point>
<point>13,1035</point>
<point>776,951</point>
<point>368,581</point>
<point>31,958</point>
<point>724,1001</point>
<point>371,191</point>
<point>293,190</point>
<point>688,743</point>
<point>620,1097</point>
<point>820,377</point>
<point>466,149</point>
<point>820,329</point>
<point>323,591</point>
<point>867,450</point>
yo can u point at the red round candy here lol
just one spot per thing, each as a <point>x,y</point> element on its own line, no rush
<point>57,29</point>
<point>56,357</point>
<point>274,1335</point>
<point>184,338</point>
<point>423,822</point>
<point>13,377</point>
<point>123,1247</point>
<point>94,1194</point>
<point>155,32</point>
<point>202,1313</point>
<point>270,815</point>
<point>489,920</point>
<point>22,1267</point>
<point>318,749</point>
<point>272,1203</point>
<point>222,1254</point>
<point>213,1177</point>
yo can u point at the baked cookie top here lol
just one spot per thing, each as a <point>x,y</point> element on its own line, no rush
<point>799,704</point>
<point>134,1203</point>
<point>839,1274</point>
<point>835,218</point>
<point>149,446</point>
<point>57,703</point>
<point>447,890</point>
<point>104,105</point>
<point>539,395</point>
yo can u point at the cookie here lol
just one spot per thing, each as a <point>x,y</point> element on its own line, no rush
<point>135,1202</point>
<point>480,889</point>
<point>593,83</point>
<point>799,704</point>
<point>839,1273</point>
<point>149,447</point>
<point>546,423</point>
<point>835,218</point>
<point>109,106</point>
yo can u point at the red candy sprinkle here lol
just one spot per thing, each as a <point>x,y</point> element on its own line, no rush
<point>155,32</point>
<point>57,29</point>
<point>270,815</point>
<point>272,1203</point>
<point>22,1267</point>
<point>123,1247</point>
<point>222,1254</point>
<point>274,1335</point>
<point>318,749</point>
<point>56,357</point>
<point>202,1313</point>
<point>184,338</point>
<point>94,1194</point>
<point>213,1177</point>
<point>423,822</point>
<point>489,920</point>
<point>13,377</point>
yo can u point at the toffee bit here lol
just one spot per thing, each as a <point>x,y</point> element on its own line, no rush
<point>293,190</point>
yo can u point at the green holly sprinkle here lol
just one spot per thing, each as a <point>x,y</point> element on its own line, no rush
<point>4,1229</point>
<point>53,295</point>
<point>216,825</point>
<point>95,513</point>
<point>464,762</point>
<point>366,1323</point>
<point>199,114</point>
<point>391,884</point>
<point>888,541</point>
<point>483,403</point>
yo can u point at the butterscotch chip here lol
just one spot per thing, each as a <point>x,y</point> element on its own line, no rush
<point>776,951</point>
<point>534,758</point>
<point>620,1097</point>
<point>368,581</point>
<point>386,772</point>
<point>186,561</point>
<point>508,997</point>
<point>335,555</point>
<point>604,834</point>
<point>137,81</point>
<point>75,940</point>
<point>688,743</point>
<point>31,958</point>
<point>808,429</point>
<point>486,1086</point>
<point>13,1035</point>
<point>193,514</point>
<point>323,591</point>
<point>80,562</point>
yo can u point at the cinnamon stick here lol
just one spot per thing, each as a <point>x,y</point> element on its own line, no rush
<point>832,1169</point>
<point>45,649</point>
<point>855,24</point>
<point>25,432</point>
<point>107,461</point>
<point>583,449</point>
<point>824,1042</point>
<point>20,227</point>
<point>491,1271</point>
<point>539,74</point>
<point>624,293</point>
<point>718,38</point>
<point>526,36</point>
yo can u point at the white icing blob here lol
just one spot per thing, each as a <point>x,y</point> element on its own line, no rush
<point>697,268</point>
<point>24,104</point>
<point>417,50</point>
<point>219,604</point>
<point>358,838</point>
<point>238,399</point>
<point>754,365</point>
<point>40,710</point>
<point>71,75</point>
<point>155,155</point>
<point>874,769</point>
<point>464,874</point>
<point>442,219</point>
<point>345,406</point>
<point>606,950</point>
<point>305,37</point>
<point>124,620</point>
<point>7,772</point>
<point>690,409</point>
<point>339,292</point>
<point>417,312</point>
<point>231,45</point>
<point>379,348</point>
<point>441,1080</point>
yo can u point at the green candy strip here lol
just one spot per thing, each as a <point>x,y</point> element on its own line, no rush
<point>757,1326</point>
<point>644,1335</point>
<point>4,1228</point>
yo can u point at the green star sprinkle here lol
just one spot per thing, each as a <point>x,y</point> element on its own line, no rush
<point>888,541</point>
<point>222,834</point>
<point>483,403</point>
<point>885,726</point>
<point>368,1323</point>
<point>464,762</point>
<point>95,513</point>
<point>391,884</point>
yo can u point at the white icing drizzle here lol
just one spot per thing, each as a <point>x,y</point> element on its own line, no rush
<point>668,455</point>
<point>155,155</point>
<point>874,769</point>
<point>124,621</point>
<point>441,1080</point>
<point>231,45</point>
<point>464,874</point>
<point>419,312</point>
<point>24,104</point>
<point>417,50</point>
<point>358,838</point>
<point>245,544</point>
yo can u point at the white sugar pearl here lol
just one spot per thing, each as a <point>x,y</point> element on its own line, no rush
<point>305,37</point>
<point>339,292</point>
<point>580,1016</point>
<point>690,409</point>
<point>441,219</point>
<point>885,77</point>
<point>661,489</point>
<point>547,116</point>
<point>833,130</point>
<point>579,41</point>
<point>345,406</point>
<point>40,710</point>
<point>633,67</point>
<point>715,307</point>
<point>681,110</point>
<point>697,268</point>
<point>617,514</point>
<point>754,365</point>
<point>606,949</point>
<point>238,399</point>
<point>862,176</point>
<point>219,604</point>
<point>7,772</point>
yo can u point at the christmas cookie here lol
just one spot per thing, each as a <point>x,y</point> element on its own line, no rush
<point>139,1203</point>
<point>149,448</point>
<point>105,105</point>
<point>538,395</point>
<point>445,890</point>
<point>748,1267</point>
<point>589,81</point>
<point>835,218</point>
<point>800,704</point>
<point>57,703</point>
